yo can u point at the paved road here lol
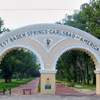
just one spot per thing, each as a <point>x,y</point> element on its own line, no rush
<point>48,97</point>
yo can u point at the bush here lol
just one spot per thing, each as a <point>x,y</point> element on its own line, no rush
<point>39,86</point>
<point>71,85</point>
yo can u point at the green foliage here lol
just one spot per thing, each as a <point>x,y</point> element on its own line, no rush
<point>87,19</point>
<point>76,85</point>
<point>63,82</point>
<point>89,77</point>
<point>76,20</point>
<point>75,66</point>
<point>18,64</point>
<point>71,84</point>
<point>39,87</point>
<point>92,16</point>
<point>2,29</point>
<point>1,24</point>
<point>91,87</point>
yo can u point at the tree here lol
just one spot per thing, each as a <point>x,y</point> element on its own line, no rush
<point>87,19</point>
<point>18,63</point>
<point>72,65</point>
<point>76,20</point>
<point>1,24</point>
<point>7,67</point>
<point>2,29</point>
<point>92,16</point>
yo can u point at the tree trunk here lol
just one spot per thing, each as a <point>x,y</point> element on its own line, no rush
<point>79,79</point>
<point>75,78</point>
<point>84,78</point>
<point>82,71</point>
<point>88,81</point>
<point>69,76</point>
<point>6,80</point>
<point>94,79</point>
<point>9,80</point>
<point>76,73</point>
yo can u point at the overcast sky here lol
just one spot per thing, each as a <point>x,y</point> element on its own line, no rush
<point>18,18</point>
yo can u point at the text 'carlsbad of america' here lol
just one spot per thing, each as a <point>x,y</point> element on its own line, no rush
<point>51,32</point>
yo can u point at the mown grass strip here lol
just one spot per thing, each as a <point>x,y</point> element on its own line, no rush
<point>91,87</point>
<point>65,83</point>
<point>13,84</point>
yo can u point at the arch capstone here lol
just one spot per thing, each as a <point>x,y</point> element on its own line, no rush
<point>49,42</point>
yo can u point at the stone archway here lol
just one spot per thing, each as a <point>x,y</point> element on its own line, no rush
<point>94,57</point>
<point>12,47</point>
<point>48,42</point>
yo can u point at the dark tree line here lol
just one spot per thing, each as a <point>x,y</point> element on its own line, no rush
<point>19,63</point>
<point>76,65</point>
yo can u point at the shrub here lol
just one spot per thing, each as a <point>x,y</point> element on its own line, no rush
<point>71,85</point>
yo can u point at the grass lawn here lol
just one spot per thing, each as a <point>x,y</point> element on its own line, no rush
<point>13,84</point>
<point>39,86</point>
<point>91,87</point>
<point>77,86</point>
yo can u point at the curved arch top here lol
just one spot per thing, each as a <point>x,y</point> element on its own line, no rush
<point>27,47</point>
<point>45,40</point>
<point>74,47</point>
<point>49,42</point>
<point>49,26</point>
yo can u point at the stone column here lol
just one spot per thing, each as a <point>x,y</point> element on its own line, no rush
<point>97,82</point>
<point>48,81</point>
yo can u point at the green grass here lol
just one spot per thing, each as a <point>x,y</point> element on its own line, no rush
<point>91,87</point>
<point>39,86</point>
<point>65,83</point>
<point>62,82</point>
<point>13,84</point>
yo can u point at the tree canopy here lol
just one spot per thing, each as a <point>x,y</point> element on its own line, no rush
<point>2,28</point>
<point>78,65</point>
<point>87,19</point>
<point>19,63</point>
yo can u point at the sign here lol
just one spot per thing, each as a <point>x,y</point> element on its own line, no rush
<point>47,86</point>
<point>49,32</point>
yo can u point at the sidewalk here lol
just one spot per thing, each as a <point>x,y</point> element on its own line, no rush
<point>31,85</point>
<point>68,91</point>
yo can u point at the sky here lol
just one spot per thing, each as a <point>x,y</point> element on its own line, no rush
<point>18,13</point>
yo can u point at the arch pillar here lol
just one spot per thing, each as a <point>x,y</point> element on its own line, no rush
<point>97,82</point>
<point>48,81</point>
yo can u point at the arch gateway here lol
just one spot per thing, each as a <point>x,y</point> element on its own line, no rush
<point>49,42</point>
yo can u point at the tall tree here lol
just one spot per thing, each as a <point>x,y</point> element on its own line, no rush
<point>72,65</point>
<point>2,28</point>
<point>18,63</point>
<point>1,24</point>
<point>92,16</point>
<point>87,19</point>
